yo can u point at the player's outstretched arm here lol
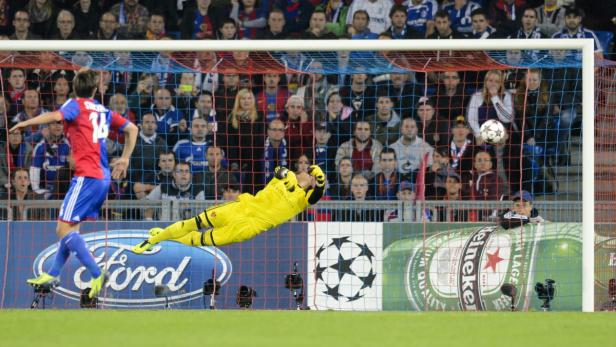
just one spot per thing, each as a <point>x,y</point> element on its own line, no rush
<point>45,118</point>
<point>314,195</point>
<point>121,165</point>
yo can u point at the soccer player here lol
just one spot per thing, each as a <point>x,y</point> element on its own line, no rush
<point>87,125</point>
<point>285,196</point>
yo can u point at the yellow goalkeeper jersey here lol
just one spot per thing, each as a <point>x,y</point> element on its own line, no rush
<point>274,204</point>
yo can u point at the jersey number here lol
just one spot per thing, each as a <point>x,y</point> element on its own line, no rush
<point>99,126</point>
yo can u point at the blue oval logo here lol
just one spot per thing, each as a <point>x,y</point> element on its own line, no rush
<point>132,277</point>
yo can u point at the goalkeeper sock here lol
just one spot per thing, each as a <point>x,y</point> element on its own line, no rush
<point>61,256</point>
<point>175,231</point>
<point>76,244</point>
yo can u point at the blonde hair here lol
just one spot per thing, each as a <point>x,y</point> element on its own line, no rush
<point>251,115</point>
<point>501,88</point>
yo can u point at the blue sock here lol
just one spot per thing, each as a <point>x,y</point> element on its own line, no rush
<point>76,244</point>
<point>61,256</point>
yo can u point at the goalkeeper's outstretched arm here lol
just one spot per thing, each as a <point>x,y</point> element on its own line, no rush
<point>314,195</point>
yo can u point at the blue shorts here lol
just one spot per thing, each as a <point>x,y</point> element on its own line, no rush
<point>84,199</point>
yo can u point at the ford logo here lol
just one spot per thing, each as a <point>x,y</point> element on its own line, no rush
<point>132,277</point>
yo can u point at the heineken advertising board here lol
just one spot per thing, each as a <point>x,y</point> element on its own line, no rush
<point>444,267</point>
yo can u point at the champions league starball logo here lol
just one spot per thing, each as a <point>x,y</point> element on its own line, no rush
<point>345,270</point>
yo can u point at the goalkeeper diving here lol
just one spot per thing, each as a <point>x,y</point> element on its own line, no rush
<point>284,197</point>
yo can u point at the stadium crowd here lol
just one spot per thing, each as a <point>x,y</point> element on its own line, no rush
<point>211,136</point>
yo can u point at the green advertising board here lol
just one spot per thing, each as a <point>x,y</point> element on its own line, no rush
<point>448,266</point>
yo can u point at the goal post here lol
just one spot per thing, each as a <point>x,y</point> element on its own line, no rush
<point>585,46</point>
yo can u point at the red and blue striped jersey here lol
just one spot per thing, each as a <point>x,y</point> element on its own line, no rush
<point>86,125</point>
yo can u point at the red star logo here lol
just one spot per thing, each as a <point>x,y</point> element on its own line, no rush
<point>493,259</point>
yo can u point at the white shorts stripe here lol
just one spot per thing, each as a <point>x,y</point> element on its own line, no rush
<point>68,214</point>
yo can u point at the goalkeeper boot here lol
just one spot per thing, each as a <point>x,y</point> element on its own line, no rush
<point>97,285</point>
<point>155,231</point>
<point>142,247</point>
<point>43,279</point>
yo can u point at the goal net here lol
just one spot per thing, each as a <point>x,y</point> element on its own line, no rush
<point>422,210</point>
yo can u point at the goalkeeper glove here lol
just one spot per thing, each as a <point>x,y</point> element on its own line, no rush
<point>316,172</point>
<point>280,172</point>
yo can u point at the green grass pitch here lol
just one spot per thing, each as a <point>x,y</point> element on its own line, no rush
<point>302,328</point>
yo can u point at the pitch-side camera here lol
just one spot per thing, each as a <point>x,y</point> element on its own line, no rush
<point>85,301</point>
<point>510,290</point>
<point>163,291</point>
<point>244,296</point>
<point>545,292</point>
<point>41,293</point>
<point>211,287</point>
<point>295,283</point>
<point>611,291</point>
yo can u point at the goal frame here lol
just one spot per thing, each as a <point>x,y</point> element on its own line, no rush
<point>588,92</point>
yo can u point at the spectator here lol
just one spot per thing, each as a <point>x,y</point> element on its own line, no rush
<point>227,30</point>
<point>142,98</point>
<point>41,16</point>
<point>21,22</point>
<point>532,102</point>
<point>182,188</point>
<point>216,177</point>
<point>385,122</point>
<point>481,26</point>
<point>31,108</point>
<point>7,13</point>
<point>363,150</point>
<point>61,91</point>
<point>243,135</point>
<point>406,212</point>
<point>411,149</point>
<point>461,147</point>
<point>275,29</point>
<point>442,24</point>
<point>529,28</point>
<point>385,184</point>
<point>459,12</point>
<point>119,189</point>
<point>452,212</point>
<point>317,28</point>
<point>399,29</point>
<point>359,96</point>
<point>340,186</point>
<point>485,183</point>
<point>491,102</point>
<point>231,193</point>
<point>403,92</point>
<point>298,127</point>
<point>506,15</point>
<point>146,180</point>
<point>338,117</point>
<point>432,128</point>
<point>276,152</point>
<point>302,163</point>
<point>169,10</point>
<point>296,14</point>
<point>15,89</point>
<point>148,147</point>
<point>185,92</point>
<point>108,28</point>
<point>436,175</point>
<point>421,16</point>
<point>315,91</point>
<point>551,17</point>
<point>272,99</point>
<point>249,18</point>
<point>86,18</point>
<point>355,213</point>
<point>324,150</point>
<point>522,211</point>
<point>360,29</point>
<point>336,12</point>
<point>193,150</point>
<point>155,27</point>
<point>450,96</point>
<point>204,104</point>
<point>167,116</point>
<point>66,27</point>
<point>49,156</point>
<point>19,156</point>
<point>132,18</point>
<point>208,79</point>
<point>377,13</point>
<point>119,105</point>
<point>226,94</point>
<point>574,30</point>
<point>201,21</point>
<point>19,191</point>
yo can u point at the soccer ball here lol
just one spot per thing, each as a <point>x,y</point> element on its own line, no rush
<point>345,270</point>
<point>492,131</point>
